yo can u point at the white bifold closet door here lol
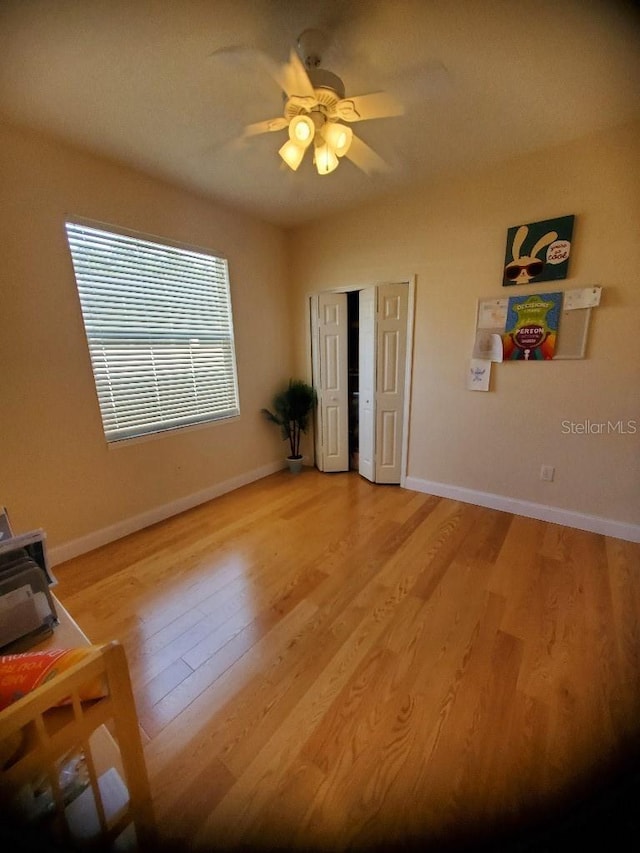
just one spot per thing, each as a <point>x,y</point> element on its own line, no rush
<point>382,350</point>
<point>367,383</point>
<point>391,357</point>
<point>332,382</point>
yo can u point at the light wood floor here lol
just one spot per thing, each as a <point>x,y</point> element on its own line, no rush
<point>322,662</point>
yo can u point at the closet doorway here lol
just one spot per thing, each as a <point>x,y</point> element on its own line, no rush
<point>361,368</point>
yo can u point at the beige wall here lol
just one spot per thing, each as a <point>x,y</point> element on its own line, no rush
<point>56,470</point>
<point>452,235</point>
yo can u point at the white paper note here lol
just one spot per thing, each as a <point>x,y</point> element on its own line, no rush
<point>488,345</point>
<point>492,313</point>
<point>478,375</point>
<point>586,297</point>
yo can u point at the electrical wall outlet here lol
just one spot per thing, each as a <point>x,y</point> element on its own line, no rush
<point>547,472</point>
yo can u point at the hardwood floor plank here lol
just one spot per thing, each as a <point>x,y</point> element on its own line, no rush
<point>290,673</point>
<point>625,593</point>
<point>240,807</point>
<point>336,738</point>
<point>167,680</point>
<point>321,662</point>
<point>278,601</point>
<point>204,791</point>
<point>193,736</point>
<point>148,656</point>
<point>154,717</point>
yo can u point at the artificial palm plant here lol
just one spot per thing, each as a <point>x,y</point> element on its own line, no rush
<point>292,409</point>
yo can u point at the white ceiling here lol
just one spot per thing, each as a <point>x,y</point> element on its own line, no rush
<point>481,80</point>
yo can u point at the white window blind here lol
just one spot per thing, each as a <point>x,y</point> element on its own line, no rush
<point>160,332</point>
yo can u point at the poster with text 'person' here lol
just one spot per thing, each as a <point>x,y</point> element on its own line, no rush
<point>531,330</point>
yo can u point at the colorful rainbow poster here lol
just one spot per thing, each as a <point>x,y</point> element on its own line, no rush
<point>531,329</point>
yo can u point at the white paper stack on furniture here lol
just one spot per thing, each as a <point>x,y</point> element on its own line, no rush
<point>27,609</point>
<point>71,758</point>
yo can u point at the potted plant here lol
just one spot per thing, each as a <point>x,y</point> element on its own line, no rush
<point>292,409</point>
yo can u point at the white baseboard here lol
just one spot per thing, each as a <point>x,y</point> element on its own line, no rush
<point>568,518</point>
<point>592,523</point>
<point>82,545</point>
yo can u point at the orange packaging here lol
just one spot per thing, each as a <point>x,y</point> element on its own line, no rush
<point>21,673</point>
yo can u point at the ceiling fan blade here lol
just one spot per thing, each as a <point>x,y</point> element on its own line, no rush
<point>364,107</point>
<point>239,56</point>
<point>235,52</point>
<point>294,79</point>
<point>244,55</point>
<point>365,158</point>
<point>267,126</point>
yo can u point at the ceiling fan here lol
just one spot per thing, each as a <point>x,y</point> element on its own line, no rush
<point>316,109</point>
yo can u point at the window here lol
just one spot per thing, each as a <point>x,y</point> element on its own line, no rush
<point>159,328</point>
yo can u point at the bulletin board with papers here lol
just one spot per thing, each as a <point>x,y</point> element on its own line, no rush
<point>491,323</point>
<point>574,320</point>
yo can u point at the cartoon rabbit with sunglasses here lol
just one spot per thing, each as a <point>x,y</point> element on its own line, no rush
<point>525,267</point>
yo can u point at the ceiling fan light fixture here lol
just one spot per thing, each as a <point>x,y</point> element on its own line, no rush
<point>301,131</point>
<point>338,137</point>
<point>325,159</point>
<point>292,154</point>
<point>315,111</point>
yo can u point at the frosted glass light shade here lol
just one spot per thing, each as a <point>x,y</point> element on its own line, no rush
<point>338,137</point>
<point>326,160</point>
<point>292,154</point>
<point>302,130</point>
